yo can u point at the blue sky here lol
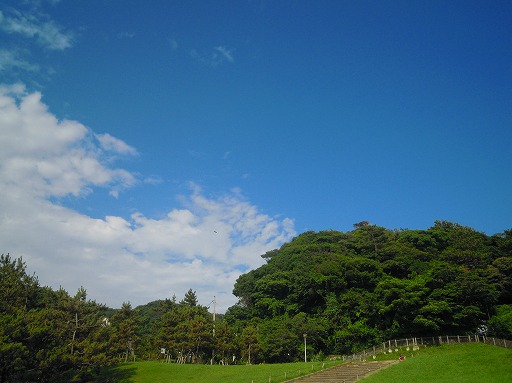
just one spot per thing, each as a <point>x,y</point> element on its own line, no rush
<point>139,129</point>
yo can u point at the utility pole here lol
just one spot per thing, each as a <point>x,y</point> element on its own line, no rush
<point>214,309</point>
<point>305,348</point>
<point>214,303</point>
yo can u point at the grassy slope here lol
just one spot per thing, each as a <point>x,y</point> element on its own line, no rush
<point>156,372</point>
<point>465,363</point>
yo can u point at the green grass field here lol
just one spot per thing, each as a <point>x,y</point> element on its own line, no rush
<point>157,372</point>
<point>461,363</point>
<point>464,363</point>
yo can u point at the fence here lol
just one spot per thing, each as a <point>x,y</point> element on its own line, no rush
<point>413,344</point>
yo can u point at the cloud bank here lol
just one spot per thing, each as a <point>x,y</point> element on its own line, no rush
<point>204,244</point>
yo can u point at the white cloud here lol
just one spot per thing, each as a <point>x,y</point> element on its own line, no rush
<point>113,144</point>
<point>47,157</point>
<point>47,33</point>
<point>202,245</point>
<point>11,59</point>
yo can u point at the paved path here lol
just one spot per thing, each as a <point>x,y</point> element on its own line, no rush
<point>345,373</point>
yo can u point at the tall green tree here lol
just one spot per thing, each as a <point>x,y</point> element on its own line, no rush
<point>224,343</point>
<point>125,335</point>
<point>186,331</point>
<point>190,298</point>
<point>249,345</point>
<point>18,292</point>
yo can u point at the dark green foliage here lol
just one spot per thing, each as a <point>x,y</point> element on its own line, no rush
<point>190,298</point>
<point>185,330</point>
<point>125,335</point>
<point>249,345</point>
<point>148,318</point>
<point>372,284</point>
<point>45,335</point>
<point>500,325</point>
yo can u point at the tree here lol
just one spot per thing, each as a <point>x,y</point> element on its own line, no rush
<point>249,345</point>
<point>86,336</point>
<point>186,331</point>
<point>224,342</point>
<point>278,341</point>
<point>190,298</point>
<point>14,355</point>
<point>18,292</point>
<point>398,302</point>
<point>369,239</point>
<point>355,336</point>
<point>125,336</point>
<point>47,336</point>
<point>499,275</point>
<point>500,325</point>
<point>377,284</point>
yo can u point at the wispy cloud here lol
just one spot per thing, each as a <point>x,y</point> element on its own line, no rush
<point>113,144</point>
<point>46,32</point>
<point>224,53</point>
<point>174,44</point>
<point>11,59</point>
<point>217,56</point>
<point>125,35</point>
<point>202,244</point>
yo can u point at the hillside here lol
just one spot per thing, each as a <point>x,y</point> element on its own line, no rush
<point>350,290</point>
<point>467,363</point>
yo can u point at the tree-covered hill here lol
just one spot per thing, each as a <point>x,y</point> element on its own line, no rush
<point>351,290</point>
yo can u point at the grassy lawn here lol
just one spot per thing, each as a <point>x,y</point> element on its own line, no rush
<point>464,363</point>
<point>157,372</point>
<point>461,363</point>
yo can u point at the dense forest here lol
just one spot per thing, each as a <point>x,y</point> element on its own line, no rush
<point>340,292</point>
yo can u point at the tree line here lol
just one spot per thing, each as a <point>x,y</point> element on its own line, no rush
<point>335,292</point>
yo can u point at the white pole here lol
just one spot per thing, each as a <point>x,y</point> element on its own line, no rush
<point>305,349</point>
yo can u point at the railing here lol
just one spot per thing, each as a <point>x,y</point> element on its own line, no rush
<point>413,344</point>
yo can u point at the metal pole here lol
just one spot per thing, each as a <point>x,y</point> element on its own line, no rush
<point>305,348</point>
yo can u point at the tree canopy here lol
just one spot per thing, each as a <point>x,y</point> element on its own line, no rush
<point>372,283</point>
